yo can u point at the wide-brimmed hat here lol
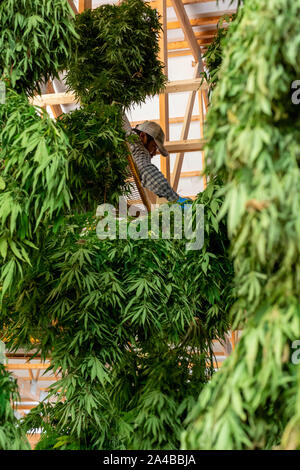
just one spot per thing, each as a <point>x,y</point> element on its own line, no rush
<point>154,130</point>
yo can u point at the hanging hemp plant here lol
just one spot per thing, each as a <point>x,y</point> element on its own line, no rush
<point>129,325</point>
<point>37,37</point>
<point>253,130</point>
<point>33,183</point>
<point>115,58</point>
<point>97,163</point>
<point>11,434</point>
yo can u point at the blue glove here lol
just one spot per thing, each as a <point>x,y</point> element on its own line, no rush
<point>184,200</point>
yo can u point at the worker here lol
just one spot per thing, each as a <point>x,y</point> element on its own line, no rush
<point>151,140</point>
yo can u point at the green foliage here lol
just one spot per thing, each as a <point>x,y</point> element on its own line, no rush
<point>129,325</point>
<point>33,190</point>
<point>116,56</point>
<point>214,54</point>
<point>254,142</point>
<point>36,38</point>
<point>11,435</point>
<point>97,163</point>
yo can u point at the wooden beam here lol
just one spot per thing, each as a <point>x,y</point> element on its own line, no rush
<point>191,84</point>
<point>179,53</point>
<point>201,101</point>
<point>69,98</point>
<point>193,145</point>
<point>53,98</point>
<point>183,52</point>
<point>187,30</point>
<point>45,378</point>
<point>154,3</point>
<point>202,19</point>
<point>27,366</point>
<point>174,120</point>
<point>72,5</point>
<point>163,97</point>
<point>191,38</point>
<point>136,177</point>
<point>84,5</point>
<point>190,174</point>
<point>184,133</point>
<point>205,34</point>
<point>184,44</point>
<point>55,108</point>
<point>19,406</point>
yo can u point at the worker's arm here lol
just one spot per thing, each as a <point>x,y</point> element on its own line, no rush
<point>151,177</point>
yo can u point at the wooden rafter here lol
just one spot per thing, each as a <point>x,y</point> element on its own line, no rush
<point>202,103</point>
<point>184,135</point>
<point>199,36</point>
<point>55,108</point>
<point>187,30</point>
<point>69,98</point>
<point>192,145</point>
<point>72,5</point>
<point>136,177</point>
<point>163,97</point>
<point>84,5</point>
<point>179,45</point>
<point>192,42</point>
<point>172,120</point>
<point>185,2</point>
<point>205,19</point>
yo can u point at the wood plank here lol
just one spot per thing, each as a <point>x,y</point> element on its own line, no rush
<point>192,145</point>
<point>72,5</point>
<point>55,108</point>
<point>154,3</point>
<point>51,378</point>
<point>174,120</point>
<point>163,97</point>
<point>187,30</point>
<point>53,98</point>
<point>205,34</point>
<point>19,406</point>
<point>178,45</point>
<point>27,366</point>
<point>184,52</point>
<point>69,98</point>
<point>201,101</point>
<point>203,19</point>
<point>84,5</point>
<point>191,84</point>
<point>135,175</point>
<point>189,174</point>
<point>33,439</point>
<point>184,133</point>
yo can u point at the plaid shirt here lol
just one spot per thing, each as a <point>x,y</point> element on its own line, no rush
<point>150,175</point>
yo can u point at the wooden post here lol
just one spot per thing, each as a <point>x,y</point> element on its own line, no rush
<point>201,112</point>
<point>163,98</point>
<point>184,134</point>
